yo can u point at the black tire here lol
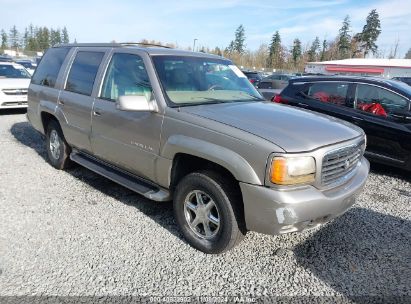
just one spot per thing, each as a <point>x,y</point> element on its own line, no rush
<point>228,207</point>
<point>63,160</point>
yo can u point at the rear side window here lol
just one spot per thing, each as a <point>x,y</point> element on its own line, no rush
<point>49,67</point>
<point>83,72</point>
<point>330,92</point>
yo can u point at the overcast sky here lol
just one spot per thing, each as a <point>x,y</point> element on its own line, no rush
<point>212,22</point>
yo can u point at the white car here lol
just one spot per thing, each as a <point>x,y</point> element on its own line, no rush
<point>14,84</point>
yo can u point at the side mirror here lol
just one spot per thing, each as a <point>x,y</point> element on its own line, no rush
<point>137,103</point>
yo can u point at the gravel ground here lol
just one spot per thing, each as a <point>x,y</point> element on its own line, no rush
<point>74,233</point>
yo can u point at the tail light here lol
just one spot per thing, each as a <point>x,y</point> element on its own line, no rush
<point>278,99</point>
<point>252,81</point>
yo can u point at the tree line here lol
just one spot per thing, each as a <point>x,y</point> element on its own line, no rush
<point>34,38</point>
<point>277,56</point>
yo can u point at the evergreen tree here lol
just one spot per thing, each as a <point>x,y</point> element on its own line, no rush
<point>407,55</point>
<point>323,50</point>
<point>55,36</point>
<point>14,38</point>
<point>239,41</point>
<point>370,33</point>
<point>296,51</point>
<point>230,48</point>
<point>65,36</point>
<point>25,39</point>
<point>43,38</point>
<point>275,57</point>
<point>344,39</point>
<point>3,40</point>
<point>315,46</point>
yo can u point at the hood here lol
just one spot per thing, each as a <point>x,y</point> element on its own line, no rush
<point>293,129</point>
<point>14,83</point>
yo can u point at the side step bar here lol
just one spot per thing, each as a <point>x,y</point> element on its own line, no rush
<point>125,179</point>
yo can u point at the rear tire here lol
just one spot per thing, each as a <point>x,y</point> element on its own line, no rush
<point>208,210</point>
<point>58,150</point>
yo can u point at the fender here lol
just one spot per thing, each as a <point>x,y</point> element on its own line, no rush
<point>53,109</point>
<point>226,158</point>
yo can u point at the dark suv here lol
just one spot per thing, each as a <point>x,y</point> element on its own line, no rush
<point>380,106</point>
<point>253,77</point>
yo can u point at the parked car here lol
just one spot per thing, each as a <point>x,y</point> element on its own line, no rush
<point>5,58</point>
<point>254,77</point>
<point>381,107</point>
<point>14,83</point>
<point>273,84</point>
<point>189,127</point>
<point>29,65</point>
<point>406,80</point>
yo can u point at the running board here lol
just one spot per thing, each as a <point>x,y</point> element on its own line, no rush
<point>125,179</point>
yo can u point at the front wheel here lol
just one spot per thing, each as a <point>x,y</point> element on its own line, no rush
<point>208,212</point>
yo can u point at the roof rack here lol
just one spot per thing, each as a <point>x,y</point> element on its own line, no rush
<point>114,44</point>
<point>145,44</point>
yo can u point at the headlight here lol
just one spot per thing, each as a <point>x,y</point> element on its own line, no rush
<point>292,170</point>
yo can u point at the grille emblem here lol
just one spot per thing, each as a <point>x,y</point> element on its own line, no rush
<point>346,164</point>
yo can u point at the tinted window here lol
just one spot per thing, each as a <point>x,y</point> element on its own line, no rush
<point>378,101</point>
<point>126,75</point>
<point>265,85</point>
<point>83,72</point>
<point>49,67</point>
<point>330,92</point>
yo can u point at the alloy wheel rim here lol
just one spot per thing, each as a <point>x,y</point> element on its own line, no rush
<point>201,214</point>
<point>54,144</point>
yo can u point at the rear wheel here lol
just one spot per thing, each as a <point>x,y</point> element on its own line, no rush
<point>207,209</point>
<point>58,150</point>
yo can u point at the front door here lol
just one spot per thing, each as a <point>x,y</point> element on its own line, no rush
<point>130,140</point>
<point>388,135</point>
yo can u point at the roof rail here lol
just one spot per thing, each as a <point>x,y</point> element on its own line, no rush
<point>145,44</point>
<point>114,44</point>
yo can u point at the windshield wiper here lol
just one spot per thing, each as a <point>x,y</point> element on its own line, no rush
<point>252,97</point>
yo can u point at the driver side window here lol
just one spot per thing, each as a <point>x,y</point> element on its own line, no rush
<point>126,75</point>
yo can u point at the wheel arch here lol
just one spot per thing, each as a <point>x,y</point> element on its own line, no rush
<point>190,152</point>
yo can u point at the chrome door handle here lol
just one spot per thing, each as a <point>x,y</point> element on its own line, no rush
<point>96,113</point>
<point>302,104</point>
<point>61,102</point>
<point>357,118</point>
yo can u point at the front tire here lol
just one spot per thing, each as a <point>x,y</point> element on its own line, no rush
<point>58,150</point>
<point>207,208</point>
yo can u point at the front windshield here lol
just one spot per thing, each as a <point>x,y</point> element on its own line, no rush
<point>198,80</point>
<point>13,71</point>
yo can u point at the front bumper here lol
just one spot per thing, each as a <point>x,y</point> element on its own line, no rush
<point>272,211</point>
<point>13,102</point>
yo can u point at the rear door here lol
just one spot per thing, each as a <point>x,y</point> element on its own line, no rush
<point>389,134</point>
<point>328,97</point>
<point>76,99</point>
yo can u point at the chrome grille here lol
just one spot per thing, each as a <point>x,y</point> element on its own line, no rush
<point>15,91</point>
<point>340,164</point>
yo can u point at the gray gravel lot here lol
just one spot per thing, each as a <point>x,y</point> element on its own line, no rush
<point>76,233</point>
